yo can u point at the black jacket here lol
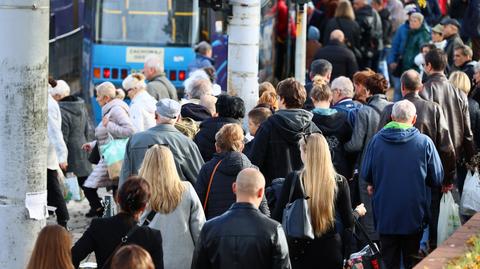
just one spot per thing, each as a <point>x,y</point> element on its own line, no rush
<point>455,109</point>
<point>205,138</point>
<point>337,132</point>
<point>431,122</point>
<point>76,132</point>
<point>195,112</point>
<point>370,26</point>
<point>104,235</point>
<point>323,251</point>
<point>342,59</point>
<point>241,238</point>
<point>275,146</point>
<point>221,196</point>
<point>474,109</point>
<point>349,27</point>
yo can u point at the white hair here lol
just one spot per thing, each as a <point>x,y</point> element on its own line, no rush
<point>403,111</point>
<point>62,89</point>
<point>191,84</point>
<point>106,89</point>
<point>134,80</point>
<point>344,85</point>
<point>418,16</point>
<point>154,61</point>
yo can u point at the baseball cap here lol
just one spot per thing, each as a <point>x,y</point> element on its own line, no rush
<point>168,108</point>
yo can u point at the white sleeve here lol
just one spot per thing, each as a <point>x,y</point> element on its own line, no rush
<point>54,130</point>
<point>136,117</point>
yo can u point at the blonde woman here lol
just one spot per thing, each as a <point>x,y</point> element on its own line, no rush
<point>461,81</point>
<point>143,106</point>
<point>329,196</point>
<point>174,208</point>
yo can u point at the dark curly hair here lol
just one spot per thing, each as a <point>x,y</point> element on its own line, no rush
<point>133,195</point>
<point>376,84</point>
<point>292,92</point>
<point>230,106</point>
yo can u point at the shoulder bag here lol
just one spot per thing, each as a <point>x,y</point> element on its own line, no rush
<point>296,219</point>
<point>209,186</point>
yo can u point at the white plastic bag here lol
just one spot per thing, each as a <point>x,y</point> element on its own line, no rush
<point>72,187</point>
<point>470,202</point>
<point>448,219</point>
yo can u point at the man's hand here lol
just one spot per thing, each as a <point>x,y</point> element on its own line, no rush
<point>447,188</point>
<point>87,147</point>
<point>370,190</point>
<point>63,166</point>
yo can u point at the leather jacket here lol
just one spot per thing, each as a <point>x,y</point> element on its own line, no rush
<point>455,109</point>
<point>241,238</point>
<point>430,122</point>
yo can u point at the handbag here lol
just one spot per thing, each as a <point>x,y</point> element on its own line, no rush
<point>210,185</point>
<point>367,258</point>
<point>94,156</point>
<point>296,219</point>
<point>113,154</point>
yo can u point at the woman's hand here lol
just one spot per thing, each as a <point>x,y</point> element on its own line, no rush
<point>87,147</point>
<point>361,210</point>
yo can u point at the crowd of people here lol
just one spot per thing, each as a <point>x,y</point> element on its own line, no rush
<point>385,124</point>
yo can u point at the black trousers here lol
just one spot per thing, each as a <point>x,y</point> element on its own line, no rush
<point>396,247</point>
<point>55,197</point>
<point>91,194</point>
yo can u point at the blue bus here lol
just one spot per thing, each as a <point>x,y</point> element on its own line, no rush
<point>118,35</point>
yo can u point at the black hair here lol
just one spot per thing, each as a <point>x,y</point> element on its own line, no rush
<point>133,195</point>
<point>437,58</point>
<point>230,106</point>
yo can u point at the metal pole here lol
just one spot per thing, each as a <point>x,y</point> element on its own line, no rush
<point>301,44</point>
<point>243,46</point>
<point>23,120</point>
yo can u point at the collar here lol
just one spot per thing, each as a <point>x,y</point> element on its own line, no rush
<point>243,206</point>
<point>376,97</point>
<point>345,99</point>
<point>334,43</point>
<point>411,95</point>
<point>164,127</point>
<point>324,111</point>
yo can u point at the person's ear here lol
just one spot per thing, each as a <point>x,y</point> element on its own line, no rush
<point>414,120</point>
<point>242,146</point>
<point>260,193</point>
<point>234,187</point>
<point>218,149</point>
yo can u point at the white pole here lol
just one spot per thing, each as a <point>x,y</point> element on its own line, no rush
<point>301,44</point>
<point>23,123</point>
<point>243,42</point>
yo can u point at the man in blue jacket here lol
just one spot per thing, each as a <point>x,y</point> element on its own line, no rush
<point>399,165</point>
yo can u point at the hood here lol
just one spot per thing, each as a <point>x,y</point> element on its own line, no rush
<point>146,101</point>
<point>195,112</point>
<point>72,105</point>
<point>115,102</point>
<point>291,123</point>
<point>232,162</point>
<point>398,136</point>
<point>329,124</point>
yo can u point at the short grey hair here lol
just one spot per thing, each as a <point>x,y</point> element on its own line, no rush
<point>203,47</point>
<point>199,88</point>
<point>418,16</point>
<point>154,61</point>
<point>403,111</point>
<point>344,85</point>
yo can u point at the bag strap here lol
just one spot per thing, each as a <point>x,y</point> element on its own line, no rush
<point>123,241</point>
<point>210,185</point>
<point>369,240</point>
<point>149,218</point>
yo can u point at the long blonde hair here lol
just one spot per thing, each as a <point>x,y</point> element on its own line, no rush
<point>318,177</point>
<point>159,169</point>
<point>52,249</point>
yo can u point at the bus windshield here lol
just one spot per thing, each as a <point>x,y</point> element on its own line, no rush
<point>146,22</point>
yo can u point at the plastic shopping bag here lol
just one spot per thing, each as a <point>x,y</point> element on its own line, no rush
<point>113,153</point>
<point>470,202</point>
<point>72,188</point>
<point>448,219</point>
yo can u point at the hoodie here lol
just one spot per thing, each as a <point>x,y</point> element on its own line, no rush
<point>275,148</point>
<point>142,111</point>
<point>76,132</point>
<point>401,197</point>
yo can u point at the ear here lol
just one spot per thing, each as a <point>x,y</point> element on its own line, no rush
<point>218,150</point>
<point>242,146</point>
<point>260,193</point>
<point>414,120</point>
<point>234,187</point>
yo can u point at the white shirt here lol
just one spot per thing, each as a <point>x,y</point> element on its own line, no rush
<point>142,111</point>
<point>57,150</point>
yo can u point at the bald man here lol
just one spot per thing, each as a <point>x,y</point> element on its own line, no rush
<point>243,236</point>
<point>336,52</point>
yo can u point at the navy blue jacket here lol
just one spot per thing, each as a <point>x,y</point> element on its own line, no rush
<point>399,164</point>
<point>471,23</point>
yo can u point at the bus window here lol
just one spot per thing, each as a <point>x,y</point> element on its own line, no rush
<point>146,22</point>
